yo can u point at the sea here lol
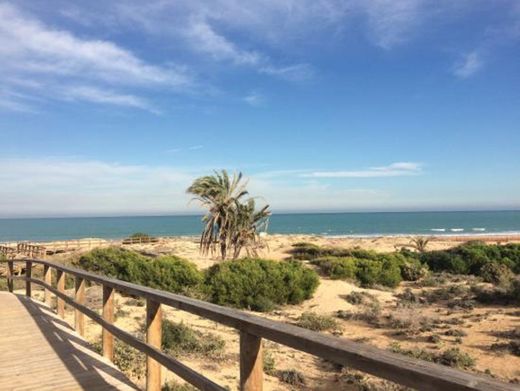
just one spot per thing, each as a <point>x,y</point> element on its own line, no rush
<point>326,224</point>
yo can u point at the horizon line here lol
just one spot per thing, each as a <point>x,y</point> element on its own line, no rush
<point>302,212</point>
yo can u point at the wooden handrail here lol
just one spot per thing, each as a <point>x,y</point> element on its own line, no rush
<point>381,363</point>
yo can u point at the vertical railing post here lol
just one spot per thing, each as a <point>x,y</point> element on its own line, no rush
<point>79,297</point>
<point>251,362</point>
<point>153,338</point>
<point>108,315</point>
<point>60,285</point>
<point>28,275</point>
<point>10,274</point>
<point>47,278</point>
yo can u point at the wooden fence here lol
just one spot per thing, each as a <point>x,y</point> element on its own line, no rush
<point>407,371</point>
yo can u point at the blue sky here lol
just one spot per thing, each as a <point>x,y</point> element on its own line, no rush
<point>111,108</point>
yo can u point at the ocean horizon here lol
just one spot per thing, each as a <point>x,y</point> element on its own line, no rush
<point>326,224</point>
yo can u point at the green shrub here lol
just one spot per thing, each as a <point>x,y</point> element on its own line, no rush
<point>495,273</point>
<point>370,273</point>
<point>180,338</point>
<point>452,357</point>
<point>140,235</point>
<point>292,377</point>
<point>360,297</point>
<point>316,322</point>
<point>471,257</point>
<point>499,295</point>
<point>269,363</point>
<point>175,386</point>
<point>259,284</point>
<point>413,270</point>
<point>167,273</point>
<point>337,268</point>
<point>129,360</point>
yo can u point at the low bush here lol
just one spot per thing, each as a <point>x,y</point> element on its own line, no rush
<point>370,313</point>
<point>496,273</point>
<point>499,295</point>
<point>413,270</point>
<point>371,272</point>
<point>472,257</point>
<point>168,273</point>
<point>360,297</point>
<point>269,363</point>
<point>368,267</point>
<point>292,377</point>
<point>179,338</point>
<point>259,284</point>
<point>452,357</point>
<point>129,360</point>
<point>315,322</point>
<point>337,268</point>
<point>175,386</point>
<point>310,251</point>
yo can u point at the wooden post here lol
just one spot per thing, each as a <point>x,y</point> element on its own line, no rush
<point>251,362</point>
<point>79,318</point>
<point>28,274</point>
<point>10,274</point>
<point>153,338</point>
<point>60,285</point>
<point>108,315</point>
<point>47,277</point>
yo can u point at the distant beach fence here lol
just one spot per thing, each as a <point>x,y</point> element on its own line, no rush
<point>41,249</point>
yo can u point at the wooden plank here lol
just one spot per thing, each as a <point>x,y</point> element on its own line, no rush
<point>170,363</point>
<point>394,367</point>
<point>108,316</point>
<point>60,284</point>
<point>251,365</point>
<point>40,353</point>
<point>79,318</point>
<point>47,277</point>
<point>154,339</point>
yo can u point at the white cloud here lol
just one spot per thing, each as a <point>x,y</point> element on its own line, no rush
<point>205,39</point>
<point>391,22</point>
<point>96,95</point>
<point>31,46</point>
<point>68,186</point>
<point>64,187</point>
<point>52,58</point>
<point>392,170</point>
<point>470,64</point>
<point>254,99</point>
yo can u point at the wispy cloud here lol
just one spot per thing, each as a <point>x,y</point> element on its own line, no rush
<point>65,186</point>
<point>97,95</point>
<point>206,39</point>
<point>53,58</point>
<point>190,148</point>
<point>392,22</point>
<point>468,65</point>
<point>254,99</point>
<point>392,170</point>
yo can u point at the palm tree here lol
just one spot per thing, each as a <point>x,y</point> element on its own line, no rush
<point>419,244</point>
<point>229,222</point>
<point>246,225</point>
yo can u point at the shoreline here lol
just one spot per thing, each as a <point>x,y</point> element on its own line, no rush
<point>512,236</point>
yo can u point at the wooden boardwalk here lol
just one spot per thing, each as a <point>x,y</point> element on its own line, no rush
<point>39,351</point>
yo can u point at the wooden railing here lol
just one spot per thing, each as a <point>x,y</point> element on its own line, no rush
<point>409,372</point>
